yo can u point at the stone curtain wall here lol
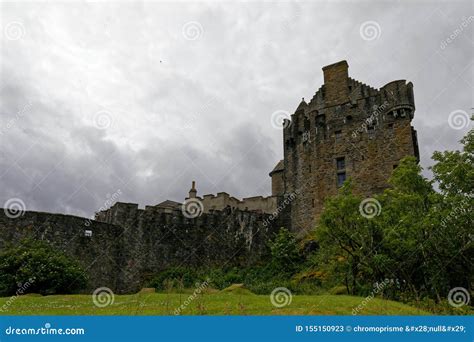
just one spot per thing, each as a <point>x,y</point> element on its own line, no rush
<point>67,233</point>
<point>125,255</point>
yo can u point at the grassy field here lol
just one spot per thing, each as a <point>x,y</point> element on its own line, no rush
<point>217,303</point>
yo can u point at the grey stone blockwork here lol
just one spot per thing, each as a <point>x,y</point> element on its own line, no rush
<point>348,129</point>
<point>125,255</point>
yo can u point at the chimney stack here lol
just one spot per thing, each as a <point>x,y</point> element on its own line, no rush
<point>336,87</point>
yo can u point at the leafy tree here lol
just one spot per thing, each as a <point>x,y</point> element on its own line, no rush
<point>34,266</point>
<point>347,240</point>
<point>407,227</point>
<point>454,244</point>
<point>421,241</point>
<point>285,254</point>
<point>454,170</point>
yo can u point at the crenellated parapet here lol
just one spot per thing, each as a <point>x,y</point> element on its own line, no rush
<point>348,129</point>
<point>126,246</point>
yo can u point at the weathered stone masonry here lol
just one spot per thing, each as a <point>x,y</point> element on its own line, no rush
<point>124,254</point>
<point>348,129</point>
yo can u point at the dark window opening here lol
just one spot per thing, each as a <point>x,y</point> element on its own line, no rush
<point>341,170</point>
<point>312,202</point>
<point>340,163</point>
<point>390,126</point>
<point>338,135</point>
<point>395,166</point>
<point>341,177</point>
<point>349,118</point>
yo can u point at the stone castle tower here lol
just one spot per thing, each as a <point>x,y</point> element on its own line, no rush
<point>348,129</point>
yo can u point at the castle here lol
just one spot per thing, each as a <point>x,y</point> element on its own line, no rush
<point>348,129</point>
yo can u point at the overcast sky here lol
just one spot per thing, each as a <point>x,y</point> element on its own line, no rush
<point>146,97</point>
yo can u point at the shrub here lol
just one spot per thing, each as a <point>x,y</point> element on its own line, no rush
<point>34,266</point>
<point>285,253</point>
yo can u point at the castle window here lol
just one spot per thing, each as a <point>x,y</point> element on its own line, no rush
<point>312,202</point>
<point>341,170</point>
<point>338,135</point>
<point>349,118</point>
<point>390,126</point>
<point>309,168</point>
<point>340,163</point>
<point>341,177</point>
<point>395,166</point>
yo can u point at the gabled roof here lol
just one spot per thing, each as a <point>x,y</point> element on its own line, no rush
<point>302,104</point>
<point>280,166</point>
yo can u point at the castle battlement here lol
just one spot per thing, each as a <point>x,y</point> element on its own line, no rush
<point>348,129</point>
<point>224,200</point>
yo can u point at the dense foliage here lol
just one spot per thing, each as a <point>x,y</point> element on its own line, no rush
<point>413,242</point>
<point>421,240</point>
<point>36,267</point>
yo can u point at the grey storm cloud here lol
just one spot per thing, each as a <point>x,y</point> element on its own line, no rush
<point>144,97</point>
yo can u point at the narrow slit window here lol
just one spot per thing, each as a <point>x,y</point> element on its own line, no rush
<point>340,164</point>
<point>341,177</point>
<point>340,171</point>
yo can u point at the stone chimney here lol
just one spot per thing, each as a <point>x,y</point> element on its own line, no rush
<point>193,191</point>
<point>336,87</point>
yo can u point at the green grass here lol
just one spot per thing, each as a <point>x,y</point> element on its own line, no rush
<point>217,303</point>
